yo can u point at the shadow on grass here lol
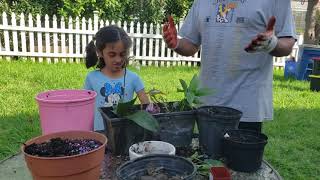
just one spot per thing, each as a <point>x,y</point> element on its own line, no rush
<point>293,148</point>
<point>15,130</point>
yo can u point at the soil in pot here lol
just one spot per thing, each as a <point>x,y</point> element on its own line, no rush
<point>57,147</point>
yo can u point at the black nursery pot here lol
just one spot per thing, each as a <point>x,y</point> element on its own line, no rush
<point>213,122</point>
<point>122,132</point>
<point>314,82</point>
<point>243,150</point>
<point>169,164</point>
<point>176,127</point>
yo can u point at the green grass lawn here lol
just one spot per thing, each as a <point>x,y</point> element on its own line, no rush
<point>294,138</point>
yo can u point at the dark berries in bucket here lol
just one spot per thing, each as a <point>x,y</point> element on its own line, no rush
<point>57,147</point>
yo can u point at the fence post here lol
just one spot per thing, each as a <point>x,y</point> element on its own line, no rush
<point>39,36</point>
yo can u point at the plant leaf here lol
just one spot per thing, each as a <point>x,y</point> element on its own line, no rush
<point>123,109</point>
<point>194,83</point>
<point>145,120</point>
<point>184,85</point>
<point>190,98</point>
<point>204,92</point>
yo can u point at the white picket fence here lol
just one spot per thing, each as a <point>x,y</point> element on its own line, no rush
<point>57,40</point>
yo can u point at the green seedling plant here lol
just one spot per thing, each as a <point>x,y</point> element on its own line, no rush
<point>204,164</point>
<point>192,93</point>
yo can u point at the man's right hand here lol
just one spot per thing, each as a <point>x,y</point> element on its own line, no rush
<point>169,34</point>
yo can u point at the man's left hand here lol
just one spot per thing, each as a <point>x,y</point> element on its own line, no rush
<point>266,41</point>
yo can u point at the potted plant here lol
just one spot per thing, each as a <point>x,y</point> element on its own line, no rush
<point>65,155</point>
<point>172,122</point>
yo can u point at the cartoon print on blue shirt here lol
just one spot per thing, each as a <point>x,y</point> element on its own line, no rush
<point>111,93</point>
<point>225,12</point>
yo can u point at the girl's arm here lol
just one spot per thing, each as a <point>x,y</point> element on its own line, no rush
<point>143,97</point>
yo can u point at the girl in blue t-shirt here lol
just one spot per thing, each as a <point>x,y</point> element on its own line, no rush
<point>108,52</point>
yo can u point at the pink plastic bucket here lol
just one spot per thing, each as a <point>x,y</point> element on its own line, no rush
<point>63,110</point>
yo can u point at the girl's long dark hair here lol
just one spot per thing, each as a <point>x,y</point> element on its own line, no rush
<point>108,34</point>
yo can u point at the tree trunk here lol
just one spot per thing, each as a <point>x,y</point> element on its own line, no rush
<point>309,33</point>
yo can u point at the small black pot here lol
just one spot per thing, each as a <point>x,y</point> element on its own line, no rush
<point>172,165</point>
<point>314,83</point>
<point>213,122</point>
<point>243,150</point>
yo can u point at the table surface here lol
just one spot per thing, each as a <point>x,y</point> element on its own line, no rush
<point>14,168</point>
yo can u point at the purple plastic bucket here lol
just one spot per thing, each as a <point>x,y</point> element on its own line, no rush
<point>63,110</point>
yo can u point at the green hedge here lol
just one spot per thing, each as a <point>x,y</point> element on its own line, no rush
<point>143,10</point>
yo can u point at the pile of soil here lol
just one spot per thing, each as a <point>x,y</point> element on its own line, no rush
<point>57,147</point>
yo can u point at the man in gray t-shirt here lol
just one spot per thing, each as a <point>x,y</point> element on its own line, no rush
<point>238,39</point>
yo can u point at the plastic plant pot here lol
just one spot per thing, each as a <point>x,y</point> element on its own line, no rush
<point>243,150</point>
<point>314,82</point>
<point>171,165</point>
<point>213,122</point>
<point>151,147</point>
<point>81,167</point>
<point>219,173</point>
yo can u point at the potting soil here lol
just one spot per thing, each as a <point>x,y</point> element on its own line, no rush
<point>58,147</point>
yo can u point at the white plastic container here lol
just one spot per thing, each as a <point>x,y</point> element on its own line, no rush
<point>151,147</point>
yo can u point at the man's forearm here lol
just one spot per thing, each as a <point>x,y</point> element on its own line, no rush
<point>284,47</point>
<point>186,48</point>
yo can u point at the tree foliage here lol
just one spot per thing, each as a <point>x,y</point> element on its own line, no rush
<point>150,11</point>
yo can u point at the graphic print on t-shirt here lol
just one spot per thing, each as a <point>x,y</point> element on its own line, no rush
<point>224,12</point>
<point>112,93</point>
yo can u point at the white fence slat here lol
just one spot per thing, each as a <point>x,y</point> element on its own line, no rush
<point>39,37</point>
<point>95,21</point>
<point>55,38</point>
<point>84,37</point>
<point>47,36</point>
<point>6,34</point>
<point>132,39</point>
<point>70,38</point>
<point>90,29</point>
<point>151,41</point>
<point>77,39</point>
<point>101,24</point>
<point>138,41</point>
<point>63,39</point>
<point>14,33</point>
<point>125,26</point>
<point>144,44</point>
<point>31,36</point>
<point>23,34</point>
<point>107,23</point>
